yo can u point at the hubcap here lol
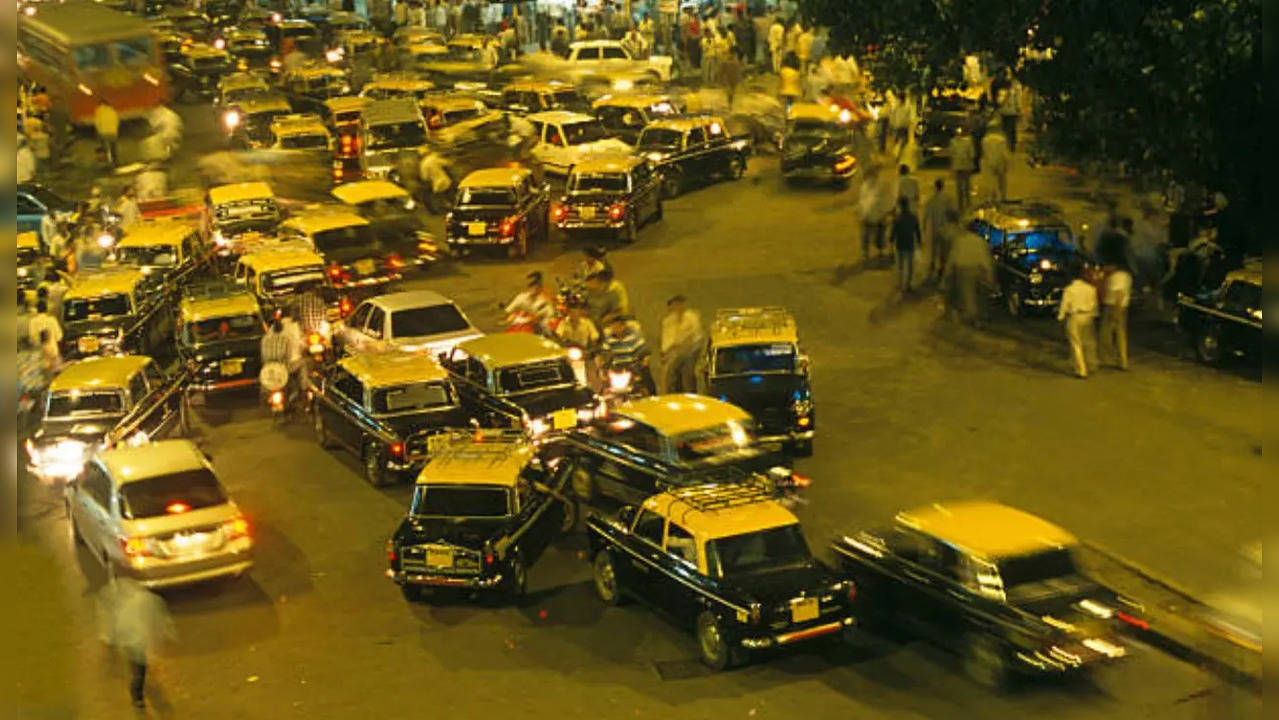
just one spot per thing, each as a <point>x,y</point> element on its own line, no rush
<point>604,580</point>
<point>581,484</point>
<point>711,640</point>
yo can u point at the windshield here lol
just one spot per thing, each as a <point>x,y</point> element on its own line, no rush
<point>285,281</point>
<point>171,494</point>
<point>133,52</point>
<point>246,208</point>
<point>234,327</point>
<point>248,94</point>
<point>457,116</point>
<point>242,226</point>
<point>91,57</point>
<point>597,182</point>
<point>711,442</point>
<point>567,100</point>
<point>258,125</point>
<point>407,398</point>
<point>752,552</point>
<point>742,359</point>
<point>411,133</point>
<point>96,308</point>
<point>1036,568</point>
<point>486,196</point>
<point>158,255</point>
<point>1051,241</point>
<point>351,237</point>
<point>211,63</point>
<point>76,402</point>
<point>27,256</point>
<point>533,376</point>
<point>461,501</point>
<point>430,320</point>
<point>814,130</point>
<point>584,132</point>
<point>304,142</point>
<point>464,53</point>
<point>660,139</point>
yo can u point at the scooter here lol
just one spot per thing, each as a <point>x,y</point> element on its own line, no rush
<point>274,382</point>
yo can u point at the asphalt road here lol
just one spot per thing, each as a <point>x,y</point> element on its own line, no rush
<point>1161,464</point>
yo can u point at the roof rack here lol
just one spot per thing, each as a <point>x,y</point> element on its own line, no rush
<point>730,487</point>
<point>740,321</point>
<point>211,290</point>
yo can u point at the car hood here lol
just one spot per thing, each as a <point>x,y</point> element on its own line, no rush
<point>468,533</point>
<point>755,392</point>
<point>544,402</point>
<point>434,343</point>
<point>1056,602</point>
<point>90,431</point>
<point>227,348</point>
<point>769,587</point>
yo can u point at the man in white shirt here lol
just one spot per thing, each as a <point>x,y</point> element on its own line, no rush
<point>127,208</point>
<point>1114,316</point>
<point>1078,310</point>
<point>908,187</point>
<point>43,321</point>
<point>682,338</point>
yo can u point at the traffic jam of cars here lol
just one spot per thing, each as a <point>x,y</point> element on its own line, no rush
<point>686,501</point>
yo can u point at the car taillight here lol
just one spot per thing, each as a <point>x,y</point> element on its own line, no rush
<point>344,307</point>
<point>616,211</point>
<point>756,613</point>
<point>852,591</point>
<point>314,339</point>
<point>394,262</point>
<point>800,481</point>
<point>558,212</point>
<point>391,554</point>
<point>1132,620</point>
<point>489,558</point>
<point>135,547</point>
<point>845,163</point>
<point>277,399</point>
<point>397,449</point>
<point>335,271</point>
<point>507,227</point>
<point>236,528</point>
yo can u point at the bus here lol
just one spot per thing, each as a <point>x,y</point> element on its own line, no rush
<point>85,53</point>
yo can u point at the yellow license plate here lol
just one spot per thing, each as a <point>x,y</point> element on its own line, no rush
<point>364,267</point>
<point>436,443</point>
<point>88,343</point>
<point>441,558</point>
<point>586,212</point>
<point>477,228</point>
<point>564,419</point>
<point>231,366</point>
<point>804,610</point>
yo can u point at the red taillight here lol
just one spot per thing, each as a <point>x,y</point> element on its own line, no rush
<point>335,272</point>
<point>313,339</point>
<point>558,212</point>
<point>236,528</point>
<point>397,449</point>
<point>395,262</point>
<point>617,211</point>
<point>1133,621</point>
<point>852,591</point>
<point>134,547</point>
<point>800,481</point>
<point>175,508</point>
<point>344,307</point>
<point>756,613</point>
<point>507,227</point>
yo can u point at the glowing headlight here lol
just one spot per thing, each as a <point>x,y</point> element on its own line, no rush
<point>409,204</point>
<point>537,427</point>
<point>738,433</point>
<point>231,120</point>
<point>1045,264</point>
<point>63,459</point>
<point>138,438</point>
<point>623,85</point>
<point>1036,277</point>
<point>219,238</point>
<point>619,380</point>
<point>333,55</point>
<point>22,272</point>
<point>585,415</point>
<point>106,240</point>
<point>1108,649</point>
<point>219,43</point>
<point>575,353</point>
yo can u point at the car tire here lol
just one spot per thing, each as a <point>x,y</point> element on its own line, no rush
<point>1012,300</point>
<point>672,182</point>
<point>986,662</point>
<point>583,484</point>
<point>374,473</point>
<point>569,523</point>
<point>317,425</point>
<point>604,578</point>
<point>736,167</point>
<point>411,593</point>
<point>659,213</point>
<point>629,232</point>
<point>715,649</point>
<point>1208,344</point>
<point>516,582</point>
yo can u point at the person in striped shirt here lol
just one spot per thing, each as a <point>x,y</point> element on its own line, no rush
<point>624,346</point>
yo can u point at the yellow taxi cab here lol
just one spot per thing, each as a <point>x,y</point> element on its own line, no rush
<point>239,212</point>
<point>274,274</point>
<point>625,115</point>
<point>528,97</point>
<point>115,311</point>
<point>170,249</point>
<point>388,86</point>
<point>419,53</point>
<point>818,143</point>
<point>31,261</point>
<point>344,111</point>
<point>499,207</point>
<point>219,338</point>
<point>454,110</point>
<point>370,197</point>
<point>198,68</point>
<point>409,35</point>
<point>300,132</point>
<point>356,254</point>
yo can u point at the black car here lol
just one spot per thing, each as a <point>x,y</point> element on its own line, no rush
<point>692,150</point>
<point>945,113</point>
<point>113,312</point>
<point>754,361</point>
<point>198,69</point>
<point>393,410</point>
<point>998,586</point>
<point>308,87</point>
<point>610,195</point>
<point>503,207</point>
<point>1035,255</point>
<point>484,510</point>
<point>728,561</point>
<point>251,49</point>
<point>520,380</point>
<point>219,338</point>
<point>818,144</point>
<point>1225,321</point>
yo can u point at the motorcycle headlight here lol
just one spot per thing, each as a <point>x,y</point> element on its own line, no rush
<point>537,427</point>
<point>1036,277</point>
<point>231,120</point>
<point>619,380</point>
<point>575,353</point>
<point>23,272</point>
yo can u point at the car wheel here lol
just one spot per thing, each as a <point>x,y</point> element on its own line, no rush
<point>986,662</point>
<point>373,470</point>
<point>658,213</point>
<point>604,574</point>
<point>517,578</point>
<point>629,232</point>
<point>717,651</point>
<point>569,523</point>
<point>519,248</point>
<point>802,448</point>
<point>1208,345</point>
<point>583,484</point>
<point>736,167</point>
<point>317,424</point>
<point>411,593</point>
<point>672,182</point>
<point>1013,300</point>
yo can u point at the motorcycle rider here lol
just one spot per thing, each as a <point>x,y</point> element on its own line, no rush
<point>578,331</point>
<point>606,296</point>
<point>279,346</point>
<point>536,301</point>
<point>624,347</point>
<point>596,260</point>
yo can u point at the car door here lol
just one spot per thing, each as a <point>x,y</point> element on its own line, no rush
<point>694,157</point>
<point>644,579</point>
<point>547,516</point>
<point>680,563</point>
<point>646,189</point>
<point>718,150</point>
<point>342,414</point>
<point>91,509</point>
<point>1242,302</point>
<point>940,600</point>
<point>353,337</point>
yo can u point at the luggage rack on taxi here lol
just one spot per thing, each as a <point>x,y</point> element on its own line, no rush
<point>728,487</point>
<point>737,321</point>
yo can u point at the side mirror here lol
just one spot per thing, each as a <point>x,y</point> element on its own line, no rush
<point>626,515</point>
<point>805,364</point>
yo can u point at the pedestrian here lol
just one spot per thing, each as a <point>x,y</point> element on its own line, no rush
<point>906,238</point>
<point>606,296</point>
<point>776,40</point>
<point>789,86</point>
<point>936,229</point>
<point>107,123</point>
<point>417,15</point>
<point>710,57</point>
<point>623,345</point>
<point>790,42</point>
<point>24,318</point>
<point>400,14</point>
<point>1078,310</point>
<point>43,322</point>
<point>127,208</point>
<point>1009,102</point>
<point>900,120</point>
<point>730,73</point>
<point>648,32</point>
<point>1113,333</point>
<point>968,267</point>
<point>26,161</point>
<point>883,122</point>
<point>682,342</point>
<point>535,301</point>
<point>135,622</point>
<point>908,187</point>
<point>50,356</point>
<point>54,288</point>
<point>962,164</point>
<point>804,49</point>
<point>995,161</point>
<point>875,205</point>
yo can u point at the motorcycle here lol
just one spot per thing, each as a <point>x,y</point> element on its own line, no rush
<point>274,381</point>
<point>623,382</point>
<point>521,322</point>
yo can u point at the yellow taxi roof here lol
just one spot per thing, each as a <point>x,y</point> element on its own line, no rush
<point>743,326</point>
<point>988,529</point>
<point>326,219</point>
<point>712,523</point>
<point>677,414</point>
<point>618,163</point>
<point>468,40</point>
<point>157,232</point>
<point>539,86</point>
<point>107,282</point>
<point>636,100</point>
<point>315,71</point>
<point>98,372</point>
<point>399,82</point>
<point>238,192</point>
<point>163,457</point>
<point>237,81</point>
<point>202,50</point>
<point>494,177</point>
<point>472,463</point>
<point>346,102</point>
<point>444,103</point>
<point>427,48</point>
<point>506,349</point>
<point>1250,275</point>
<point>354,193</point>
<point>199,309</point>
<point>298,124</point>
<point>684,124</point>
<point>815,111</point>
<point>267,103</point>
<point>28,240</point>
<point>270,259</point>
<point>394,368</point>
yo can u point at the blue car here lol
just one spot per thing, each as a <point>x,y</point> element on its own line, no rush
<point>34,201</point>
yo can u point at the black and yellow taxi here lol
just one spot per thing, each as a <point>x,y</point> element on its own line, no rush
<point>692,150</point>
<point>625,115</point>
<point>273,273</point>
<point>393,410</point>
<point>248,124</point>
<point>390,86</point>
<point>343,112</point>
<point>393,214</point>
<point>754,360</point>
<point>609,194</point>
<point>97,403</point>
<point>302,134</point>
<point>1225,321</point>
<point>197,70</point>
<point>1001,587</point>
<point>520,380</point>
<point>233,89</point>
<point>484,509</point>
<point>499,207</point>
<point>356,255</point>
<point>170,249</point>
<point>373,198</point>
<point>526,97</point>
<point>308,86</point>
<point>356,44</point>
<point>450,113</point>
<point>818,143</point>
<point>250,47</point>
<point>727,560</point>
<point>416,55</point>
<point>299,31</point>
<point>32,261</point>
<point>237,215</point>
<point>409,35</point>
<point>219,335</point>
<point>1034,252</point>
<point>113,312</point>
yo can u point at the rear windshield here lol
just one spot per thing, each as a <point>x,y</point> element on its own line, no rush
<point>163,495</point>
<point>740,359</point>
<point>287,280</point>
<point>430,320</point>
<point>158,255</point>
<point>450,501</point>
<point>347,238</point>
<point>420,396</point>
<point>486,196</point>
<point>1048,240</point>
<point>407,134</point>
<point>97,308</point>
<point>234,327</point>
<point>567,100</point>
<point>708,443</point>
<point>304,142</point>
<point>660,139</point>
<point>457,116</point>
<point>752,552</point>
<point>597,182</point>
<point>534,376</point>
<point>244,209</point>
<point>1036,568</point>
<point>75,402</point>
<point>584,132</point>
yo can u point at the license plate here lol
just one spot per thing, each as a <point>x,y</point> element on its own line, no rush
<point>587,212</point>
<point>231,366</point>
<point>364,267</point>
<point>436,443</point>
<point>564,419</point>
<point>441,557</point>
<point>191,542</point>
<point>476,228</point>
<point>804,610</point>
<point>88,344</point>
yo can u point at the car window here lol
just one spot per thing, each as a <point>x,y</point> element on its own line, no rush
<point>476,372</point>
<point>347,384</point>
<point>376,320</point>
<point>696,137</point>
<point>137,388</point>
<point>641,437</point>
<point>942,559</point>
<point>649,526</point>
<point>1242,298</point>
<point>612,53</point>
<point>97,486</point>
<point>428,320</point>
<point>680,544</point>
<point>360,317</point>
<point>171,494</point>
<point>27,206</point>
<point>553,135</point>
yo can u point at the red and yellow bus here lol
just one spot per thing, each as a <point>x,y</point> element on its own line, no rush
<point>85,53</point>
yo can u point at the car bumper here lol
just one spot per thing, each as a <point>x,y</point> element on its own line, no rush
<point>817,172</point>
<point>217,386</point>
<point>488,239</point>
<point>790,637</point>
<point>1041,302</point>
<point>1060,661</point>
<point>597,224</point>
<point>790,436</point>
<point>171,573</point>
<point>469,582</point>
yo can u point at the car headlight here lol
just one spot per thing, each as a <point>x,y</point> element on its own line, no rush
<point>63,459</point>
<point>231,120</point>
<point>619,380</point>
<point>1036,277</point>
<point>538,426</point>
<point>22,272</point>
<point>586,415</point>
<point>219,239</point>
<point>409,204</point>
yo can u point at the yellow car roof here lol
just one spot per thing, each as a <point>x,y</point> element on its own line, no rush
<point>163,231</point>
<point>354,193</point>
<point>270,259</point>
<point>201,50</point>
<point>315,71</point>
<point>678,414</point>
<point>394,368</point>
<point>98,372</point>
<point>163,457</point>
<point>635,100</point>
<point>108,282</point>
<point>324,219</point>
<point>1250,275</point>
<point>618,163</point>
<point>238,192</point>
<point>239,81</point>
<point>494,177</point>
<point>478,463</point>
<point>506,349</point>
<point>346,102</point>
<point>987,529</point>
<point>28,240</point>
<point>815,111</point>
<point>399,82</point>
<point>201,309</point>
<point>743,326</point>
<point>684,124</point>
<point>427,48</point>
<point>710,522</point>
<point>539,86</point>
<point>560,117</point>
